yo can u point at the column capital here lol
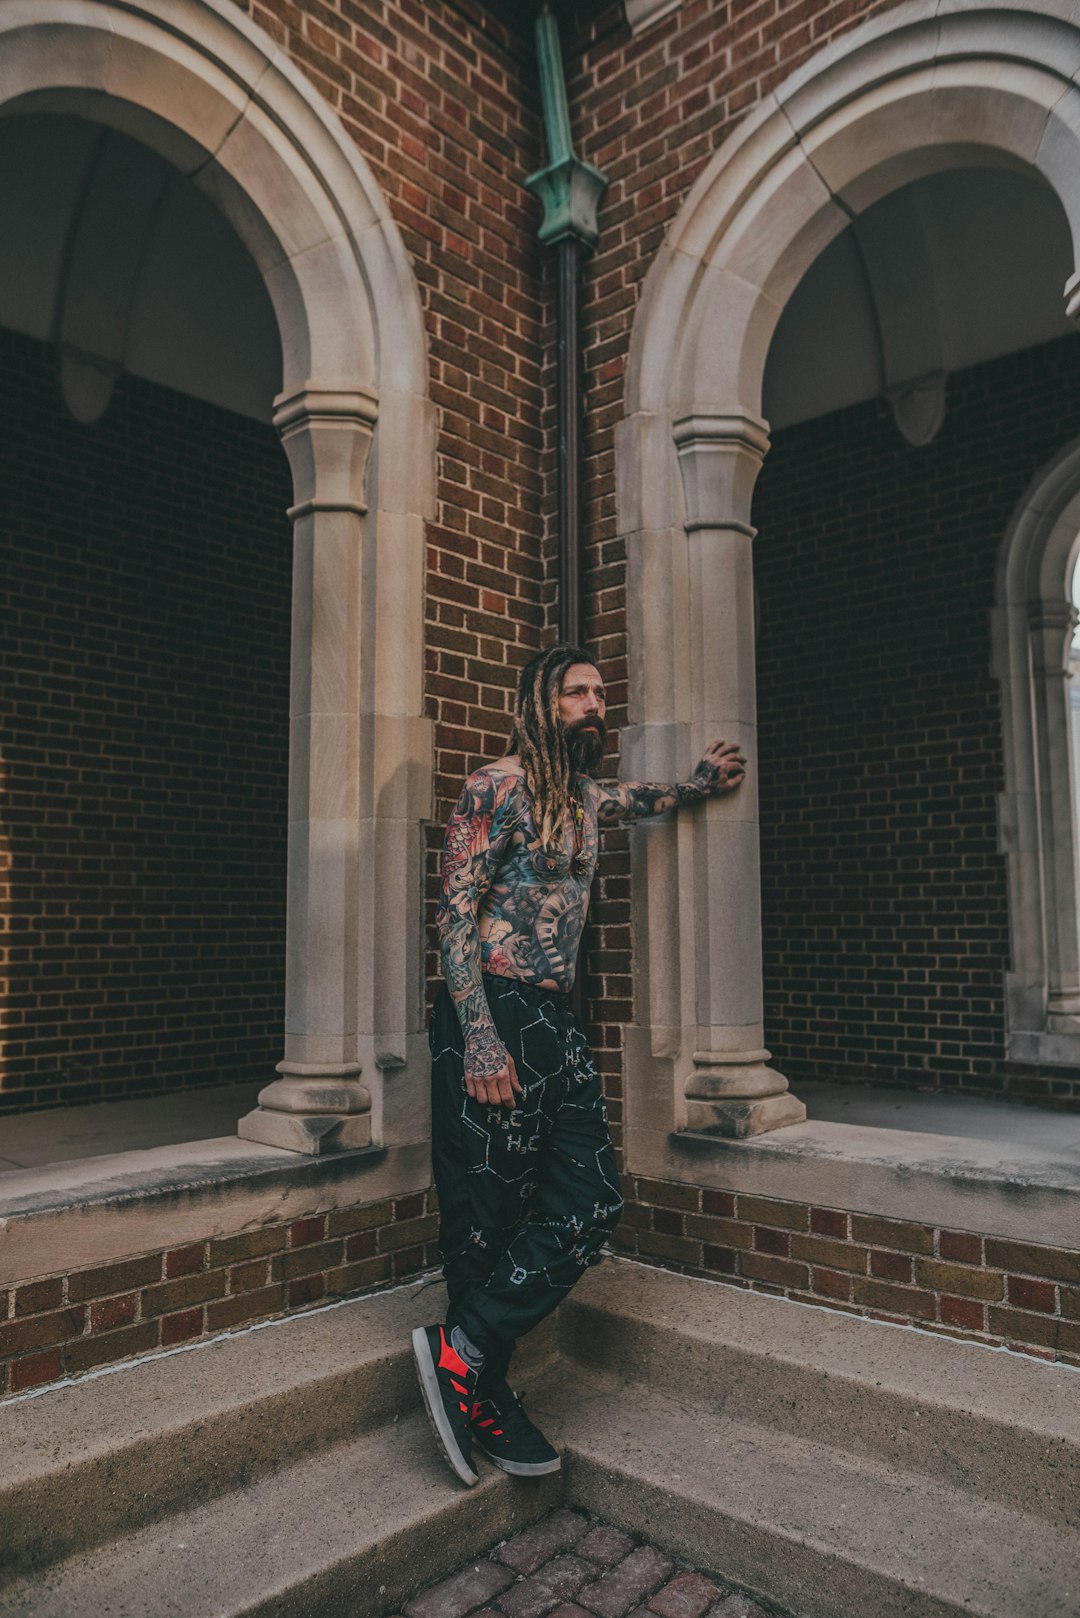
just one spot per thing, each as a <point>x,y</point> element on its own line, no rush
<point>720,456</point>
<point>326,430</point>
<point>1050,627</point>
<point>330,399</point>
<point>722,429</point>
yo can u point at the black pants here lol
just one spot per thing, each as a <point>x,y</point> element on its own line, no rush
<point>528,1195</point>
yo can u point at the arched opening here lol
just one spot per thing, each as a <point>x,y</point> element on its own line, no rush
<point>1034,621</point>
<point>209,94</point>
<point>147,567</point>
<point>905,99</point>
<point>917,377</point>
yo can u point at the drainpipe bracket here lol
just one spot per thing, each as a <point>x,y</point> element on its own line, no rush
<point>570,191</point>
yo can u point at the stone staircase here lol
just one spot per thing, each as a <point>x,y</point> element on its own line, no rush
<point>840,1467</point>
<point>286,1470</point>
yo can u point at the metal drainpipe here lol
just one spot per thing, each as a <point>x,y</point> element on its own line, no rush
<point>570,191</point>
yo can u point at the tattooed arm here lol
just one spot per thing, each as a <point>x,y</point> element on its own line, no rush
<point>722,769</point>
<point>477,834</point>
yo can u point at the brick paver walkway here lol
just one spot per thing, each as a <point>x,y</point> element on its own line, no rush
<point>569,1565</point>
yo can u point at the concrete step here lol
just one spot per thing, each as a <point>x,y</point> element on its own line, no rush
<point>826,1533</point>
<point>1001,1427</point>
<point>82,1464</point>
<point>351,1530</point>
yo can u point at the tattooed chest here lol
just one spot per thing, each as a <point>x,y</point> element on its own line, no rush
<point>532,917</point>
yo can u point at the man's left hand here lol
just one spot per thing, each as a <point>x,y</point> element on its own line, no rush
<point>722,769</point>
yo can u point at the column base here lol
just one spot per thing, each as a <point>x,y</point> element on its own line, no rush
<point>313,1109</point>
<point>316,1134</point>
<point>737,1094</point>
<point>737,1119</point>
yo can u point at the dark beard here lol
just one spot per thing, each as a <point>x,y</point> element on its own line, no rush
<point>585,745</point>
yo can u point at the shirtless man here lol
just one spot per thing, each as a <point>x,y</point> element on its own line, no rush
<point>522,1157</point>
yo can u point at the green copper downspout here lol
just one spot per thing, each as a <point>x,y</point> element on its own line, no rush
<point>570,191</point>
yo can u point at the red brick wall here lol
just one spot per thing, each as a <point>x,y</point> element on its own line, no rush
<point>884,896</point>
<point>1020,1294</point>
<point>144,656</point>
<point>441,99</point>
<point>962,1284</point>
<point>70,1322</point>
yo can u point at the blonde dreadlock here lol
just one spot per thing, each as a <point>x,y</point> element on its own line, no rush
<point>538,740</point>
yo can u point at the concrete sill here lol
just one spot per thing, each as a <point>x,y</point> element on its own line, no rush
<point>999,1188</point>
<point>91,1210</point>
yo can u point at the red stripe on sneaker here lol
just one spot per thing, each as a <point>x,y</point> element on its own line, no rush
<point>457,1387</point>
<point>449,1358</point>
<point>490,1422</point>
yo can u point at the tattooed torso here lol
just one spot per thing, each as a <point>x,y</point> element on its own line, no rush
<point>531,918</point>
<point>514,909</point>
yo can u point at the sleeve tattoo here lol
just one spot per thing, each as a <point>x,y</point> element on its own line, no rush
<point>477,834</point>
<point>620,801</point>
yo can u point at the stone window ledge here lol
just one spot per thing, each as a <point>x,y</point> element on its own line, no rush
<point>1018,1192</point>
<point>91,1210</point>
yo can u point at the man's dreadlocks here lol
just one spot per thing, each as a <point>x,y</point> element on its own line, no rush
<point>538,740</point>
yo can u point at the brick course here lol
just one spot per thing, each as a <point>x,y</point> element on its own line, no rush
<point>65,1324</point>
<point>1018,1294</point>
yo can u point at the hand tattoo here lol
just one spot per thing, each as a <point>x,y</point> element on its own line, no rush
<point>702,784</point>
<point>636,800</point>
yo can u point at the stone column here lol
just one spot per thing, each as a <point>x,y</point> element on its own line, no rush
<point>1050,628</point>
<point>731,1089</point>
<point>318,1104</point>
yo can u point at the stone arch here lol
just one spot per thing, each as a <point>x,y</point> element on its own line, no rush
<point>206,88</point>
<point>1033,625</point>
<point>982,85</point>
<point>918,89</point>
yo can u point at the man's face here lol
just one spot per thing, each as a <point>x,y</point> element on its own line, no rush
<point>582,706</point>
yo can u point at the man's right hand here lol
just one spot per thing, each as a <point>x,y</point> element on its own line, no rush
<point>490,1085</point>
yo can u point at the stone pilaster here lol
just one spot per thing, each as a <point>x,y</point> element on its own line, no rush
<point>1050,629</point>
<point>731,1089</point>
<point>318,1103</point>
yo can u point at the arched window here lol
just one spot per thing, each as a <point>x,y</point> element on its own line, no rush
<point>1074,700</point>
<point>1036,651</point>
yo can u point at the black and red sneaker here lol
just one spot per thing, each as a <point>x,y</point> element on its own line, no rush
<point>448,1384</point>
<point>508,1438</point>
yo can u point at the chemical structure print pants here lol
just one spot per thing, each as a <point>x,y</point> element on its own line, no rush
<point>527,1195</point>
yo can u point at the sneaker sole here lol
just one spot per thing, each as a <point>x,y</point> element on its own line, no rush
<point>429,1387</point>
<point>520,1469</point>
